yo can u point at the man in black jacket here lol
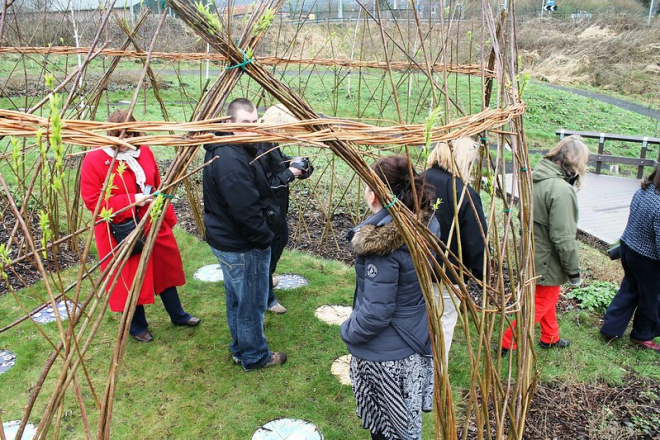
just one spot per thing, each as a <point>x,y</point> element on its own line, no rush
<point>242,216</point>
<point>279,174</point>
<point>280,170</point>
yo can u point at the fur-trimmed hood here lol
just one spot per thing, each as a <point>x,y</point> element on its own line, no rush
<point>377,240</point>
<point>380,237</point>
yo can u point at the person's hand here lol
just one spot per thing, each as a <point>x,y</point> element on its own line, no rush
<point>296,171</point>
<point>576,282</point>
<point>142,199</point>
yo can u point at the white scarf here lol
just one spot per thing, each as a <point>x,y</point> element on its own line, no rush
<point>129,157</point>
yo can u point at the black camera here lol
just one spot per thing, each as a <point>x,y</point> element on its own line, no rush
<point>305,165</point>
<point>272,219</point>
<point>614,252</point>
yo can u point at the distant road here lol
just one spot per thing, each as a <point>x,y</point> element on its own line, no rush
<point>621,103</point>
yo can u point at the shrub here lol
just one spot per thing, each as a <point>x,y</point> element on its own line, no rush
<point>596,296</point>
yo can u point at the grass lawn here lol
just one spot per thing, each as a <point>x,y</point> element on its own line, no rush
<point>184,384</point>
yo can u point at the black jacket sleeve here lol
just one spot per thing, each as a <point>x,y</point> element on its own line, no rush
<point>237,182</point>
<point>472,242</point>
<point>281,179</point>
<point>276,165</point>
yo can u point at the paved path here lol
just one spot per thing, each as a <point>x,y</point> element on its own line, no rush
<point>604,203</point>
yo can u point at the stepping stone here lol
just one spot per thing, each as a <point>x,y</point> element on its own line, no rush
<point>289,281</point>
<point>341,369</point>
<point>11,429</point>
<point>46,315</point>
<point>290,429</point>
<point>335,314</point>
<point>7,360</point>
<point>211,273</point>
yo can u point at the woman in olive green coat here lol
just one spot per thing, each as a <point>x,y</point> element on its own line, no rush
<point>556,257</point>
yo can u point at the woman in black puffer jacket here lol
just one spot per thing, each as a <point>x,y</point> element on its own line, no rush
<point>387,333</point>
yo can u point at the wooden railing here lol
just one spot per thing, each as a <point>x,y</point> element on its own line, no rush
<point>600,157</point>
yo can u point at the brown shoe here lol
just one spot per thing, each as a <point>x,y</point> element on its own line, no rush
<point>144,337</point>
<point>646,344</point>
<point>278,359</point>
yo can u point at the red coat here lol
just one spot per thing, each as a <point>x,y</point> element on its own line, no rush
<point>165,268</point>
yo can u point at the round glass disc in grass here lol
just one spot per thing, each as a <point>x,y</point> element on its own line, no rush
<point>334,314</point>
<point>290,429</point>
<point>341,369</point>
<point>7,360</point>
<point>211,273</point>
<point>47,314</point>
<point>11,429</point>
<point>288,281</point>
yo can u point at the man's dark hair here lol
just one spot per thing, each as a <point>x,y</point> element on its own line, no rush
<point>239,104</point>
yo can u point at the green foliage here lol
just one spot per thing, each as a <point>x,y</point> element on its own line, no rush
<point>264,22</point>
<point>431,121</point>
<point>108,189</point>
<point>157,207</point>
<point>647,424</point>
<point>46,233</point>
<point>4,260</point>
<point>596,296</point>
<point>16,156</point>
<point>43,149</point>
<point>121,167</point>
<point>211,18</point>
<point>437,203</point>
<point>524,79</point>
<point>55,140</point>
<point>49,79</point>
<point>106,214</point>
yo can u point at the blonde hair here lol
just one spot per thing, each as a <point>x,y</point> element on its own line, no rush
<point>572,155</point>
<point>278,114</point>
<point>456,157</point>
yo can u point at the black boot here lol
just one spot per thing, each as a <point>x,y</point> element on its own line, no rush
<point>170,298</point>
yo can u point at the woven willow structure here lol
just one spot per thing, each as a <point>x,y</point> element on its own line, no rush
<point>418,65</point>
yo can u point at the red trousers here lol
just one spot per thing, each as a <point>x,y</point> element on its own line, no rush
<point>545,312</point>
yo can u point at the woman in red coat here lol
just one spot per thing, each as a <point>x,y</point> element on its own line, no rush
<point>135,174</point>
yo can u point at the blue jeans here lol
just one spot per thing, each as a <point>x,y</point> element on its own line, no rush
<point>246,287</point>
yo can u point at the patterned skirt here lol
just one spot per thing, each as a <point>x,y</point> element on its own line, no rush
<point>391,395</point>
